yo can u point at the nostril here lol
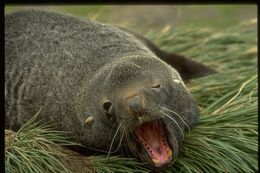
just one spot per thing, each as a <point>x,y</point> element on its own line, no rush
<point>134,103</point>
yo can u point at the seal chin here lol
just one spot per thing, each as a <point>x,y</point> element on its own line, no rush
<point>153,139</point>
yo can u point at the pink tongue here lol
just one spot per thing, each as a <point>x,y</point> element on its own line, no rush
<point>152,136</point>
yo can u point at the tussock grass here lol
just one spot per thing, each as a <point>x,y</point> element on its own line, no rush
<point>225,140</point>
<point>117,164</point>
<point>34,148</point>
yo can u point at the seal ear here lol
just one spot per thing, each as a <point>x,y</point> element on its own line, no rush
<point>188,69</point>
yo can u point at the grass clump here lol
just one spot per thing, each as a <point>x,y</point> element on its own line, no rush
<point>34,148</point>
<point>225,139</point>
<point>117,164</point>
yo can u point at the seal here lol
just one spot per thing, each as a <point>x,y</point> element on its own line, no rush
<point>109,87</point>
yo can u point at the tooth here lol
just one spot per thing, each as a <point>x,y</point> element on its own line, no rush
<point>156,161</point>
<point>141,120</point>
<point>169,153</point>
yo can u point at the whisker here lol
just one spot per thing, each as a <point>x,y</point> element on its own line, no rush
<point>175,123</point>
<point>120,142</point>
<point>111,145</point>
<point>104,151</point>
<point>178,116</point>
<point>130,143</point>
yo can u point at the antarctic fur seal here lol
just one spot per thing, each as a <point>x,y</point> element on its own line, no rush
<point>108,86</point>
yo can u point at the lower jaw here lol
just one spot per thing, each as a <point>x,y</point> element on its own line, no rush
<point>147,158</point>
<point>158,167</point>
<point>162,165</point>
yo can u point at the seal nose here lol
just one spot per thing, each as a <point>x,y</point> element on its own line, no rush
<point>134,103</point>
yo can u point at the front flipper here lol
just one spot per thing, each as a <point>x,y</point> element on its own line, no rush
<point>188,69</point>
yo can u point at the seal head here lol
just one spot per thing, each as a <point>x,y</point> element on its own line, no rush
<point>148,103</point>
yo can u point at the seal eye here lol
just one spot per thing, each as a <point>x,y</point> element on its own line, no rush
<point>107,106</point>
<point>157,86</point>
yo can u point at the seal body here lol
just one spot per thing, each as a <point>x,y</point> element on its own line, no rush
<point>96,81</point>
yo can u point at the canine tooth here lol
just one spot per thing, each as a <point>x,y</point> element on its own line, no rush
<point>141,120</point>
<point>169,153</point>
<point>89,120</point>
<point>156,161</point>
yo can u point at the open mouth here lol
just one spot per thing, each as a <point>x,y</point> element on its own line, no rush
<point>152,137</point>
